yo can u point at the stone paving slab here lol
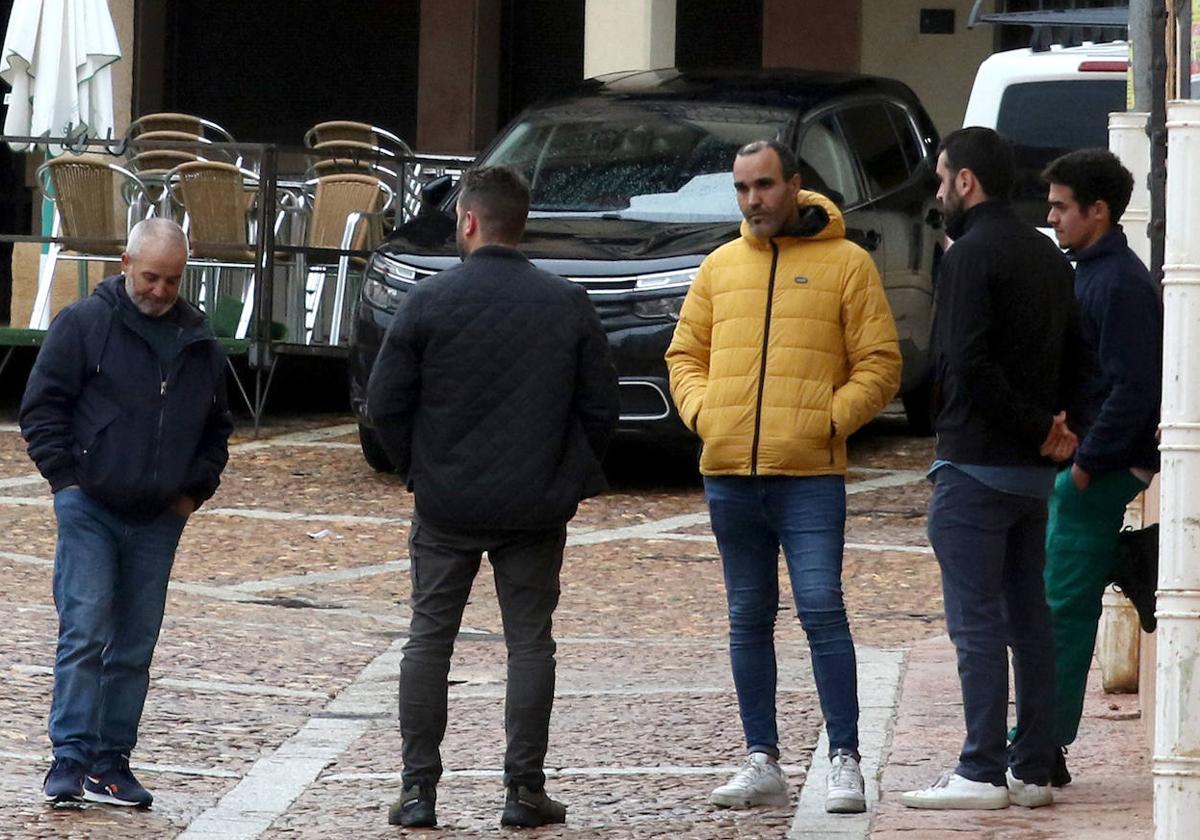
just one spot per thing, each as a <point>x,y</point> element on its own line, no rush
<point>275,642</point>
<point>1110,797</point>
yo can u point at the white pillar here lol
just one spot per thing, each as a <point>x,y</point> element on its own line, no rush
<point>628,35</point>
<point>1177,708</point>
<point>1127,139</point>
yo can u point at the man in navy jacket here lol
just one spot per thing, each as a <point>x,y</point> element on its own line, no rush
<point>1121,314</point>
<point>125,415</point>
<point>495,396</point>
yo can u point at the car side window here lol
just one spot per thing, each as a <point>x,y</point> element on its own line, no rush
<point>823,150</point>
<point>872,135</point>
<point>910,141</point>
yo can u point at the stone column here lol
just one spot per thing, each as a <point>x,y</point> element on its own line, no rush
<point>1177,708</point>
<point>628,35</point>
<point>458,85</point>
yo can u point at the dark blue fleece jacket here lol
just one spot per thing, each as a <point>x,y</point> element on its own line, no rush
<point>1122,321</point>
<point>100,410</point>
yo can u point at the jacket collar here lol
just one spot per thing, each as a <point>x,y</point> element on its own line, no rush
<point>993,208</point>
<point>1111,243</point>
<point>819,219</point>
<point>503,251</point>
<point>112,291</point>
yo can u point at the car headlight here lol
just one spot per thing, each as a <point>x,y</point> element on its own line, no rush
<point>657,308</point>
<point>386,282</point>
<point>673,283</point>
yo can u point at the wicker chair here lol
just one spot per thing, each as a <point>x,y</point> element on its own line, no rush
<point>344,210</point>
<point>96,202</point>
<point>217,200</point>
<point>347,146</point>
<point>182,123</point>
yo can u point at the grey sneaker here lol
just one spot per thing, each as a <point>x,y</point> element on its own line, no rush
<point>759,782</point>
<point>845,792</point>
<point>1027,795</point>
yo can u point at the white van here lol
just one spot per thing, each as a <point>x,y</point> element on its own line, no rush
<point>1048,103</point>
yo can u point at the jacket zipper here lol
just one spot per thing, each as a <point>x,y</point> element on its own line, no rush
<point>762,370</point>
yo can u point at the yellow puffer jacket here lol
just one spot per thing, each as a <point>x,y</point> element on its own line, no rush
<point>774,369</point>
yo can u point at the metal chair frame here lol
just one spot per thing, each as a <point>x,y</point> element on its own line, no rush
<point>85,215</point>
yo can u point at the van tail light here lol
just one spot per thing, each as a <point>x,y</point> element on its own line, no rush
<point>1103,66</point>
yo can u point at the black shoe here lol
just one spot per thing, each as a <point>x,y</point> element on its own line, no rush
<point>416,807</point>
<point>116,786</point>
<point>529,809</point>
<point>1060,776</point>
<point>64,781</point>
<point>1136,572</point>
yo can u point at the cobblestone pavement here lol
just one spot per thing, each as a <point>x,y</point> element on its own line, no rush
<point>272,705</point>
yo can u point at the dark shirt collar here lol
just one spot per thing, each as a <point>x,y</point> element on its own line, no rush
<point>497,251</point>
<point>993,208</point>
<point>1113,242</point>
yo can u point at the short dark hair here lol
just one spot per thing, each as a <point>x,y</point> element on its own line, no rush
<point>988,155</point>
<point>1093,175</point>
<point>499,195</point>
<point>787,158</point>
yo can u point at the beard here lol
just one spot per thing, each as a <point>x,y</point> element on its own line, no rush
<point>953,215</point>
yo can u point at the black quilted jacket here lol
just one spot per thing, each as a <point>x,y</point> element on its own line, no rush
<point>495,395</point>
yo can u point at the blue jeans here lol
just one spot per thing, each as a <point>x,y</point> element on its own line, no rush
<point>110,588</point>
<point>991,549</point>
<point>752,516</point>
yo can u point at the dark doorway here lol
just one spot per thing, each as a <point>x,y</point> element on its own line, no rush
<point>717,33</point>
<point>541,54</point>
<point>269,70</point>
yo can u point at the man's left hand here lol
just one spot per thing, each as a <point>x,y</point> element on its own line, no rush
<point>1080,477</point>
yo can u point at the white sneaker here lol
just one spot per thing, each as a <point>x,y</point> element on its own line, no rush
<point>1027,795</point>
<point>844,794</point>
<point>953,791</point>
<point>759,782</point>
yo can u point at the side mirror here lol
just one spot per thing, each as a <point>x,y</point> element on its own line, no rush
<point>434,192</point>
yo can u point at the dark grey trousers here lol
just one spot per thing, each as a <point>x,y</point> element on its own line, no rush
<point>991,548</point>
<point>526,566</point>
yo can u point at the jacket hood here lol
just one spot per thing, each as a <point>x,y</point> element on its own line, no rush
<point>820,218</point>
<point>112,291</point>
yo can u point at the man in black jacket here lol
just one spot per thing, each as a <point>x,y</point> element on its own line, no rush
<point>1006,350</point>
<point>1121,314</point>
<point>494,396</point>
<point>125,415</point>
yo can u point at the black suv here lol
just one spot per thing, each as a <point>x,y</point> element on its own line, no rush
<point>632,187</point>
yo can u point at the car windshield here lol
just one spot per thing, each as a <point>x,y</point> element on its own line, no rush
<point>654,161</point>
<point>1046,119</point>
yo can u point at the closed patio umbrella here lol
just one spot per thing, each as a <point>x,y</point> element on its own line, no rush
<point>57,58</point>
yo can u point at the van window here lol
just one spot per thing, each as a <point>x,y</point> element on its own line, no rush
<point>1046,119</point>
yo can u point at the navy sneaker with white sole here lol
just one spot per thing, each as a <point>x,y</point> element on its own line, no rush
<point>116,786</point>
<point>64,781</point>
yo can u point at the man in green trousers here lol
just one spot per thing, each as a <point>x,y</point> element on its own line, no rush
<point>1121,315</point>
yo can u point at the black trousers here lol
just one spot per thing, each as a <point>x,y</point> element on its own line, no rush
<point>526,565</point>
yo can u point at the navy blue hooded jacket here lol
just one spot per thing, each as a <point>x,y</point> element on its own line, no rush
<point>99,411</point>
<point>1122,321</point>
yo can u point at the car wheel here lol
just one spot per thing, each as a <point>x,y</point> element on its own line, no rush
<point>917,408</point>
<point>372,449</point>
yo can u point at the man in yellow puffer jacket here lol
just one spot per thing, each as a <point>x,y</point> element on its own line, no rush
<point>785,346</point>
